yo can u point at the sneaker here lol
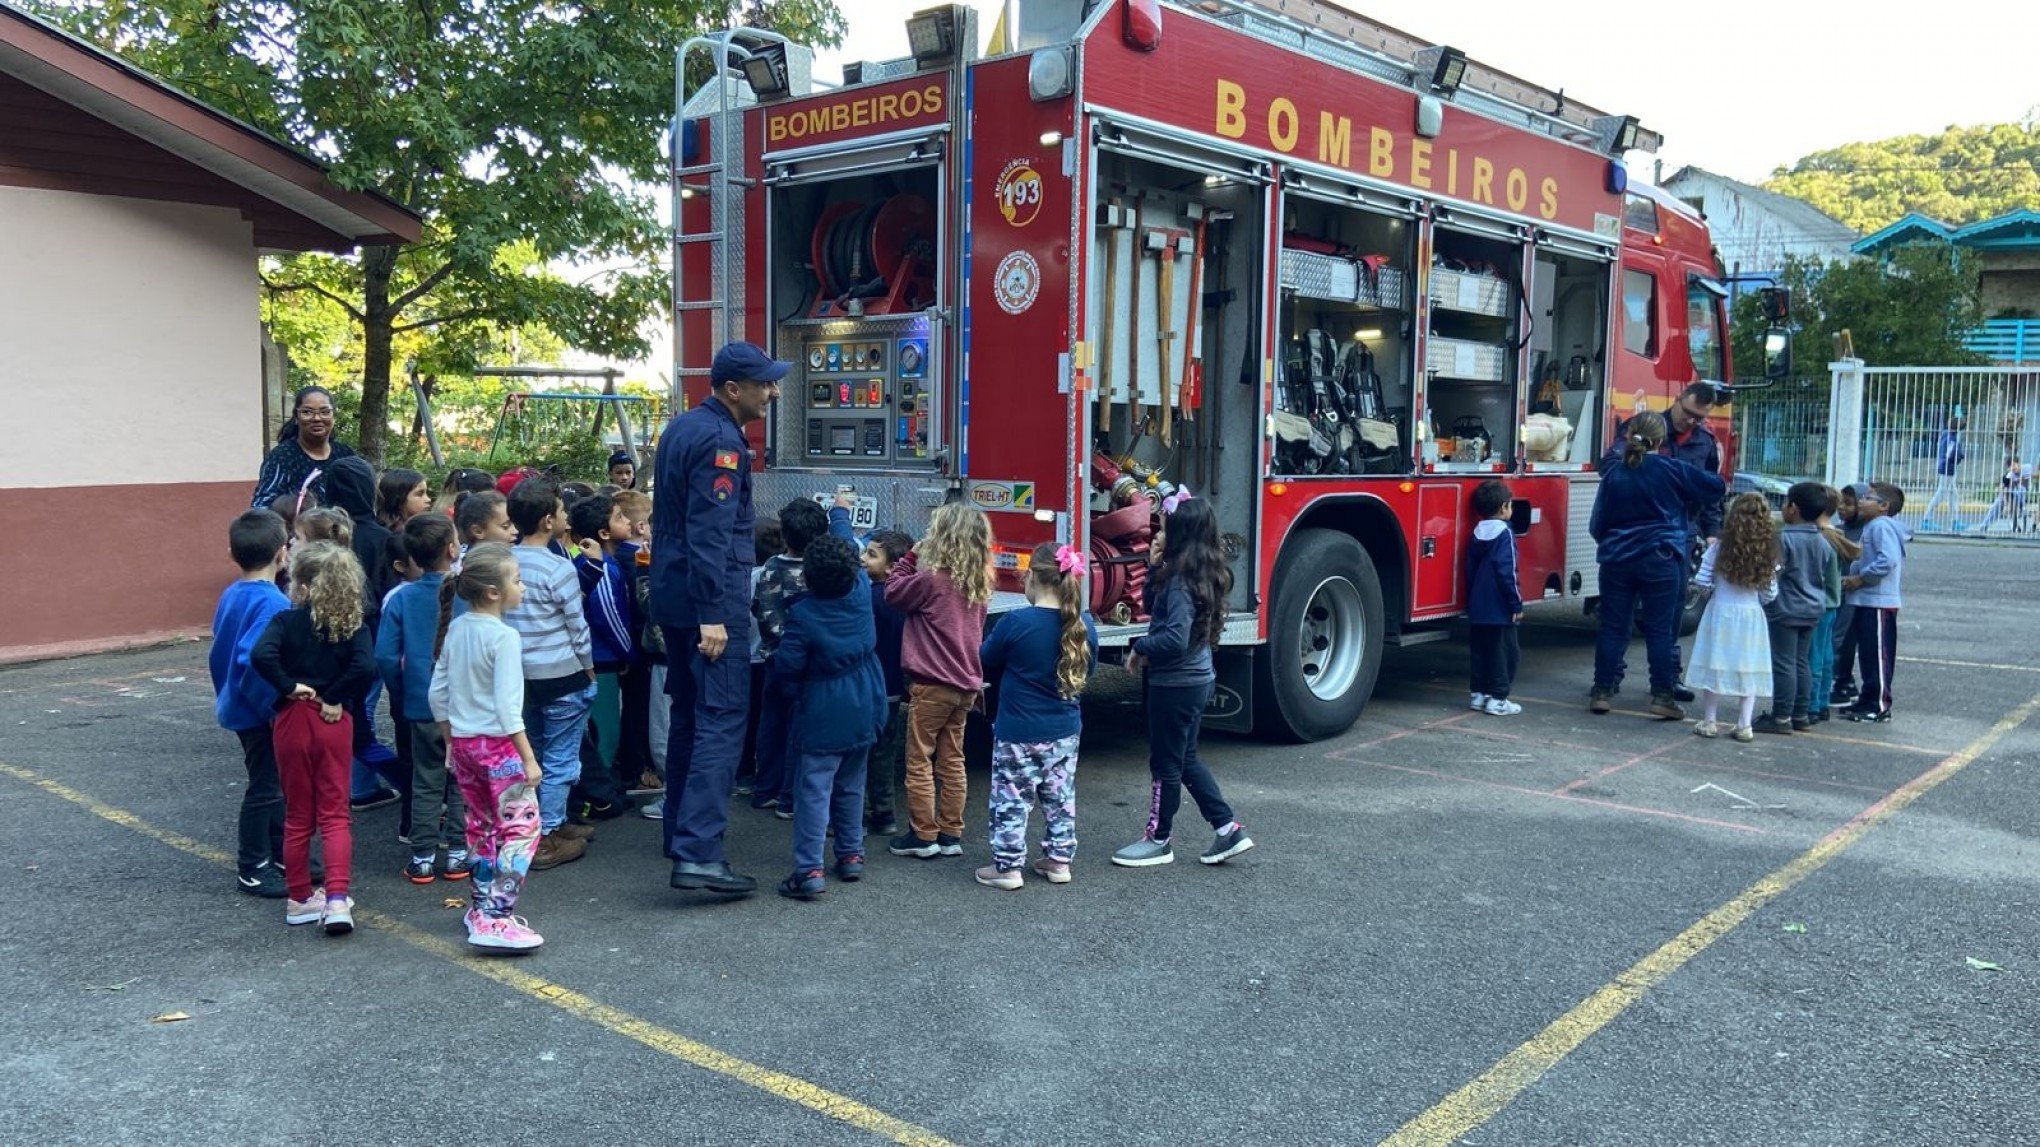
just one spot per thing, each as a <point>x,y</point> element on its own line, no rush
<point>1144,853</point>
<point>1053,871</point>
<point>783,810</point>
<point>458,865</point>
<point>850,869</point>
<point>404,837</point>
<point>1665,707</point>
<point>803,885</point>
<point>1743,735</point>
<point>1769,724</point>
<point>653,810</point>
<point>950,845</point>
<point>555,850</point>
<point>592,811</point>
<point>1501,707</point>
<point>266,882</point>
<point>1802,724</point>
<point>907,844</point>
<point>762,802</point>
<point>1817,717</point>
<point>305,911</point>
<point>883,826</point>
<point>502,933</point>
<point>1228,843</point>
<point>744,787</point>
<point>1005,879</point>
<point>1842,695</point>
<point>1871,718</point>
<point>1708,729</point>
<point>1680,693</point>
<point>570,831</point>
<point>338,919</point>
<point>1600,700</point>
<point>420,870</point>
<point>380,799</point>
<point>1477,702</point>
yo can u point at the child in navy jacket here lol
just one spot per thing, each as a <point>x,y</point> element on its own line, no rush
<point>1494,601</point>
<point>404,657</point>
<point>827,662</point>
<point>243,702</point>
<point>598,526</point>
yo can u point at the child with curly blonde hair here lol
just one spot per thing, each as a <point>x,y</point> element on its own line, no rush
<point>1732,649</point>
<point>942,586</point>
<point>318,657</point>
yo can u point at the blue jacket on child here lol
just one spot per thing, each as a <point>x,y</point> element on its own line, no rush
<point>404,641</point>
<point>1493,596</point>
<point>606,599</point>
<point>241,698</point>
<point>1022,653</point>
<point>828,659</point>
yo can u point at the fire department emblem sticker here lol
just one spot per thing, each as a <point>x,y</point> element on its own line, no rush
<point>1017,282</point>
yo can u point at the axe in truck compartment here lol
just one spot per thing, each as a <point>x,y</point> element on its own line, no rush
<point>1165,243</point>
<point>1110,215</point>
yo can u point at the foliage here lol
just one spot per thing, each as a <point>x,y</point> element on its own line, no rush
<point>1962,175</point>
<point>522,126</point>
<point>1910,311</point>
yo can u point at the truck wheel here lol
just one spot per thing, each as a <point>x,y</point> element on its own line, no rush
<point>1325,631</point>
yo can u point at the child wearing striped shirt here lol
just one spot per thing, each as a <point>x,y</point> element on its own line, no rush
<point>559,664</point>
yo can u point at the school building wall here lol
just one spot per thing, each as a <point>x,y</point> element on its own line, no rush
<point>130,414</point>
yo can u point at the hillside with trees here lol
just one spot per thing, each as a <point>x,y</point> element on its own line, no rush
<point>1959,176</point>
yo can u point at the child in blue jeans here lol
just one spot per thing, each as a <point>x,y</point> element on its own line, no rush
<point>827,663</point>
<point>559,664</point>
<point>1041,656</point>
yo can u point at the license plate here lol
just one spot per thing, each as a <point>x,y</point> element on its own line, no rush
<point>863,511</point>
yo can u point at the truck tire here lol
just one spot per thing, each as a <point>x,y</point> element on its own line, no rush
<point>1325,632</point>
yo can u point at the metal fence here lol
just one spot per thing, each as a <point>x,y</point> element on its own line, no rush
<point>1950,437</point>
<point>1783,433</point>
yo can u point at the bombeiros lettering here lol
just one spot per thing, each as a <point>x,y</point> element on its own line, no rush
<point>1398,157</point>
<point>877,110</point>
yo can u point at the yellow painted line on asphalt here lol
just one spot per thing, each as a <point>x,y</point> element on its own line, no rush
<point>1473,1105</point>
<point>504,971</point>
<point>1971,664</point>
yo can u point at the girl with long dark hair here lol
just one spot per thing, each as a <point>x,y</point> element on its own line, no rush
<point>1186,592</point>
<point>305,449</point>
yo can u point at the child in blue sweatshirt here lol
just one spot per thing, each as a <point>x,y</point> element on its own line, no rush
<point>1494,601</point>
<point>244,702</point>
<point>403,656</point>
<point>827,663</point>
<point>1040,656</point>
<point>1872,587</point>
<point>598,526</point>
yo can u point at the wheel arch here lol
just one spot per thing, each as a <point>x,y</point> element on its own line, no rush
<point>1369,521</point>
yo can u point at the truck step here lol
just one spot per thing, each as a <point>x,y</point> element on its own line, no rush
<point>1409,637</point>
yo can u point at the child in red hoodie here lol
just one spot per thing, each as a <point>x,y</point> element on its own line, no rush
<point>942,586</point>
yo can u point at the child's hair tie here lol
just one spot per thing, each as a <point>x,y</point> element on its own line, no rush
<point>1176,499</point>
<point>1071,560</point>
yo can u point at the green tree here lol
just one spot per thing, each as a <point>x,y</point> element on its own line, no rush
<point>506,122</point>
<point>1911,310</point>
<point>1962,175</point>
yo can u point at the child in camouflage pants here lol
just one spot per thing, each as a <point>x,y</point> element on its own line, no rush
<point>1041,657</point>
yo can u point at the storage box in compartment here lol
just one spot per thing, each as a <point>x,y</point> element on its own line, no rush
<point>1462,359</point>
<point>1327,277</point>
<point>1473,294</point>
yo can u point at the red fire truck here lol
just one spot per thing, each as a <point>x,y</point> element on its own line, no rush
<point>1326,275</point>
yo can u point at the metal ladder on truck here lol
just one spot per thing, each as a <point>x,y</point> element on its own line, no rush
<point>718,101</point>
<point>1339,36</point>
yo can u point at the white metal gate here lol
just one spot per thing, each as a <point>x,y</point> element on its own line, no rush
<point>1948,436</point>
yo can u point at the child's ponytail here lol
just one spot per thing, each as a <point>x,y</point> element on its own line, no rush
<point>445,613</point>
<point>1061,569</point>
<point>1646,434</point>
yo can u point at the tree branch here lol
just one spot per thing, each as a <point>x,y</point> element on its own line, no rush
<point>286,288</point>
<point>425,285</point>
<point>436,320</point>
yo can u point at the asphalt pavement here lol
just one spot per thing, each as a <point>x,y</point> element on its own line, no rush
<point>1584,913</point>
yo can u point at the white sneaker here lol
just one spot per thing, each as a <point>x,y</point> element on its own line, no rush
<point>653,810</point>
<point>1478,703</point>
<point>339,917</point>
<point>1501,707</point>
<point>305,911</point>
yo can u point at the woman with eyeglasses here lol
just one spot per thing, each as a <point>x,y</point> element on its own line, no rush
<point>305,449</point>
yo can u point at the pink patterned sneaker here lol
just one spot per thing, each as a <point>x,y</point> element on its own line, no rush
<point>504,934</point>
<point>305,911</point>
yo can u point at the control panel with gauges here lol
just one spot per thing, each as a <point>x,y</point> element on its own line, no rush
<point>865,392</point>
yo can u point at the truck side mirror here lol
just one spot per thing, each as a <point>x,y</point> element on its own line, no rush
<point>1777,353</point>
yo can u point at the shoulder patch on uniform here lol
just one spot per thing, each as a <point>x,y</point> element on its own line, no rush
<point>725,459</point>
<point>722,487</point>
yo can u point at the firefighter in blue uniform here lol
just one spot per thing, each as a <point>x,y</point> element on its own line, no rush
<point>701,600</point>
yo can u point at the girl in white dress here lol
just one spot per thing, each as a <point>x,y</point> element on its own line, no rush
<point>1732,650</point>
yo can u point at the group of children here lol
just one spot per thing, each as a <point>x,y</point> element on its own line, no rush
<point>506,620</point>
<point>1795,610</point>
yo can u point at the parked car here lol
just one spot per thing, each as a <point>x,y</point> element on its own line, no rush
<point>1772,487</point>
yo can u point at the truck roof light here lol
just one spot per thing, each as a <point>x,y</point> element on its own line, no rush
<point>1616,134</point>
<point>1441,68</point>
<point>1049,75</point>
<point>765,68</point>
<point>931,34</point>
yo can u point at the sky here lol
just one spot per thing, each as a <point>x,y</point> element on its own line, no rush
<point>1740,87</point>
